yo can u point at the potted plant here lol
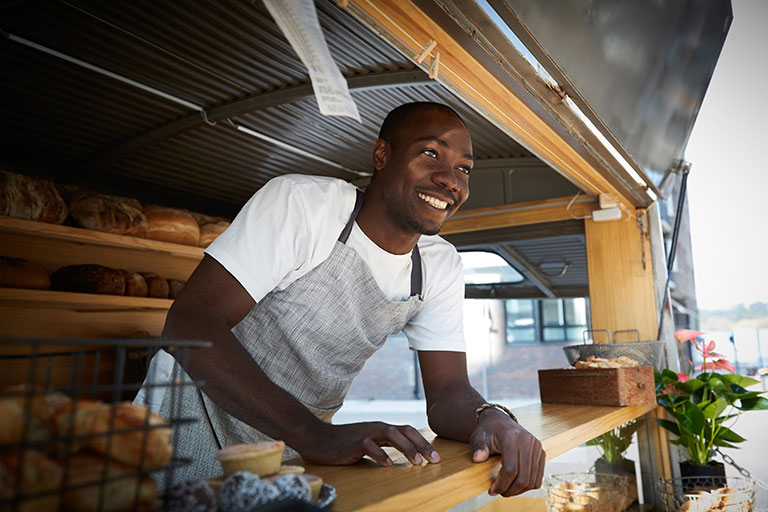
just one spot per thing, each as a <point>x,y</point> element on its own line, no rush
<point>703,407</point>
<point>613,445</point>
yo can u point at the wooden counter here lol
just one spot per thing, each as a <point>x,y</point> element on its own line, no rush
<point>366,486</point>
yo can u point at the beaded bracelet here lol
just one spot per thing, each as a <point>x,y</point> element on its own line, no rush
<point>500,407</point>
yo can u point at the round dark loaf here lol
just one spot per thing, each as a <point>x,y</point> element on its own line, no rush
<point>135,284</point>
<point>158,287</point>
<point>19,273</point>
<point>111,214</point>
<point>174,286</point>
<point>89,279</point>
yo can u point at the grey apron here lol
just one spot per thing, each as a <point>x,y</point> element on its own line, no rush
<point>311,339</point>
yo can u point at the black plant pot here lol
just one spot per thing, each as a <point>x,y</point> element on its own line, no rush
<point>623,467</point>
<point>711,476</point>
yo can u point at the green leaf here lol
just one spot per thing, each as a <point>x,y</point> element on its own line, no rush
<point>732,397</point>
<point>729,435</point>
<point>694,419</point>
<point>724,444</point>
<point>690,386</point>
<point>754,404</point>
<point>669,425</point>
<point>717,386</point>
<point>714,410</point>
<point>669,375</point>
<point>739,380</point>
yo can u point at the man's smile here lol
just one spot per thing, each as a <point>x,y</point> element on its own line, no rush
<point>433,201</point>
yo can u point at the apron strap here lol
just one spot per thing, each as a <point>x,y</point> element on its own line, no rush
<point>348,228</point>
<point>415,271</point>
<point>416,279</point>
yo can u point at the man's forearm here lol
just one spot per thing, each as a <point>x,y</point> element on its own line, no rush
<point>452,414</point>
<point>236,383</point>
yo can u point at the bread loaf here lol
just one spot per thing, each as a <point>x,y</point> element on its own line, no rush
<point>135,284</point>
<point>171,225</point>
<point>89,279</point>
<point>30,198</point>
<point>19,273</point>
<point>111,214</point>
<point>209,231</point>
<point>174,287</point>
<point>158,287</point>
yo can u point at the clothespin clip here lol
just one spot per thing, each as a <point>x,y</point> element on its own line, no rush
<point>433,69</point>
<point>342,4</point>
<point>419,57</point>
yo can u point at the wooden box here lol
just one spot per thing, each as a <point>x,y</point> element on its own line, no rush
<point>598,386</point>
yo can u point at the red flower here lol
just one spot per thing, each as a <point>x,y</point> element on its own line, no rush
<point>682,377</point>
<point>720,364</point>
<point>683,335</point>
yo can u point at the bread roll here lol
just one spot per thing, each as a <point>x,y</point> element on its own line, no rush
<point>19,273</point>
<point>89,279</point>
<point>135,284</point>
<point>171,225</point>
<point>158,287</point>
<point>174,287</point>
<point>111,214</point>
<point>94,420</point>
<point>43,407</point>
<point>209,231</point>
<point>30,198</point>
<point>39,473</point>
<point>119,494</point>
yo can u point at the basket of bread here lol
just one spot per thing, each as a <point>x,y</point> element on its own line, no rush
<point>705,494</point>
<point>614,353</point>
<point>71,439</point>
<point>254,477</point>
<point>587,492</point>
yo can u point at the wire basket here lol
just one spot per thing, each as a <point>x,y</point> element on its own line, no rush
<point>70,438</point>
<point>694,493</point>
<point>647,353</point>
<point>588,492</point>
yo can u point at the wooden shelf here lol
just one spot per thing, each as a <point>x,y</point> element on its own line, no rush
<point>366,486</point>
<point>53,246</point>
<point>79,301</point>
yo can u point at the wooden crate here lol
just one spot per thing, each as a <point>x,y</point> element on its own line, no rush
<point>598,386</point>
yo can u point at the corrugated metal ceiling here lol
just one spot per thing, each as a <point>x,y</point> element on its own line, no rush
<point>75,126</point>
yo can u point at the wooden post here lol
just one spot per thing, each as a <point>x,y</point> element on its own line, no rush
<point>621,290</point>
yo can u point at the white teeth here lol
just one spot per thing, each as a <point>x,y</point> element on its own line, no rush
<point>437,203</point>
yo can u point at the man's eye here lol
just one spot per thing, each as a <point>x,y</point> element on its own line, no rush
<point>430,153</point>
<point>465,169</point>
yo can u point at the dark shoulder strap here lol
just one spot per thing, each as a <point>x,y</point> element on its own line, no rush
<point>415,271</point>
<point>348,228</point>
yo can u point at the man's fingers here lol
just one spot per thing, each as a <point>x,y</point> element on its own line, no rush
<point>393,436</point>
<point>542,465</point>
<point>421,444</point>
<point>508,473</point>
<point>375,452</point>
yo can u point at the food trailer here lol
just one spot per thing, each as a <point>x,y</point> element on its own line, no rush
<point>579,114</point>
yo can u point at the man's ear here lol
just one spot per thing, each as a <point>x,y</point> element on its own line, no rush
<point>380,154</point>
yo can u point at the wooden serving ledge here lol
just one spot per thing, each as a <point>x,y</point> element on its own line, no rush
<point>365,486</point>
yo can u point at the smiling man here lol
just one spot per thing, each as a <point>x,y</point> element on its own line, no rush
<point>306,285</point>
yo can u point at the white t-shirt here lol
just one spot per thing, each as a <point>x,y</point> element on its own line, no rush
<point>291,225</point>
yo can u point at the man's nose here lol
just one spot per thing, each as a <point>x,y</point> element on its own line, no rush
<point>446,177</point>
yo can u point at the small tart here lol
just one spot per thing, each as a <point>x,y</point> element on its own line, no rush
<point>315,483</point>
<point>261,458</point>
<point>290,470</point>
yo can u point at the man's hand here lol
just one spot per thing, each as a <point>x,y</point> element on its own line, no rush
<point>522,457</point>
<point>347,444</point>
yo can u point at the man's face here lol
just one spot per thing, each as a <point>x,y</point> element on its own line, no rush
<point>425,173</point>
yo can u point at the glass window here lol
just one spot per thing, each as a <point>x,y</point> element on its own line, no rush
<point>483,267</point>
<point>551,313</point>
<point>575,311</point>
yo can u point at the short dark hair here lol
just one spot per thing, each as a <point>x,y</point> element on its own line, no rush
<point>400,115</point>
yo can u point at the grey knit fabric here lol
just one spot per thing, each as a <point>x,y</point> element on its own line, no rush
<point>311,339</point>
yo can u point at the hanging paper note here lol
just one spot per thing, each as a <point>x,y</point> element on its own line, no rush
<point>298,21</point>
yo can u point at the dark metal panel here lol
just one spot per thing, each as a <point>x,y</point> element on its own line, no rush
<point>643,67</point>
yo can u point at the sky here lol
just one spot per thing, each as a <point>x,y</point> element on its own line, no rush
<point>728,182</point>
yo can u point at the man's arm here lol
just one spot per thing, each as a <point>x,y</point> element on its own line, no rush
<point>451,405</point>
<point>209,305</point>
